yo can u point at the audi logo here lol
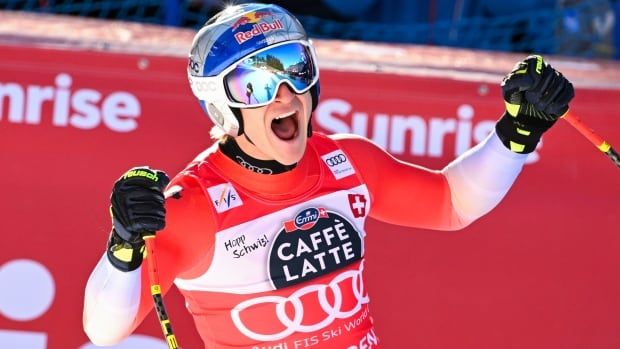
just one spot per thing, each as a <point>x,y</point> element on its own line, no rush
<point>332,311</point>
<point>247,165</point>
<point>336,160</point>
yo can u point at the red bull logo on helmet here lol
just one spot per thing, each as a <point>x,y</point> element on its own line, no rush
<point>248,18</point>
<point>259,27</point>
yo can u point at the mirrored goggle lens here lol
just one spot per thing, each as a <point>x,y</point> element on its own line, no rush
<point>255,79</point>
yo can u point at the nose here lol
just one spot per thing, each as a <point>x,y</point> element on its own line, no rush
<point>284,94</point>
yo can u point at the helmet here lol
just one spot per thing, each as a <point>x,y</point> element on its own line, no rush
<point>227,39</point>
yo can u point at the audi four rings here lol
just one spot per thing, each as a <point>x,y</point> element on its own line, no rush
<point>335,160</point>
<point>332,311</point>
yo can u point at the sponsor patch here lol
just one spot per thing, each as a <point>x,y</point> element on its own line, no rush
<point>338,164</point>
<point>315,242</point>
<point>357,203</point>
<point>224,197</point>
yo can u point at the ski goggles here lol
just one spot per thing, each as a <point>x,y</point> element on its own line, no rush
<point>254,80</point>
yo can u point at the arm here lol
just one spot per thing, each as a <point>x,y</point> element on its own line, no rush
<point>535,95</point>
<point>116,301</point>
<point>414,196</point>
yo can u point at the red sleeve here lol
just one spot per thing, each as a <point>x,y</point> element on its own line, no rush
<point>187,241</point>
<point>401,193</point>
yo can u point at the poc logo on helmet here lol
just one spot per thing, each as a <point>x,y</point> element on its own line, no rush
<point>203,85</point>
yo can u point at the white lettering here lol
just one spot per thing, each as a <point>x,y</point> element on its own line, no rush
<point>302,248</point>
<point>83,108</point>
<point>321,258</point>
<point>400,126</point>
<point>120,110</point>
<point>15,96</point>
<point>36,96</point>
<point>334,252</point>
<point>315,238</point>
<point>287,274</point>
<point>348,250</point>
<point>426,135</point>
<point>85,104</point>
<point>308,268</point>
<point>327,232</point>
<point>463,140</point>
<point>341,231</point>
<point>281,254</point>
<point>438,131</point>
<point>328,112</point>
<point>61,107</point>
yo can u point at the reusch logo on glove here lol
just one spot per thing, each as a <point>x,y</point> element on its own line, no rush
<point>141,173</point>
<point>314,243</point>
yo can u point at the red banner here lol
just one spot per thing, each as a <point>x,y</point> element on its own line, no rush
<point>540,271</point>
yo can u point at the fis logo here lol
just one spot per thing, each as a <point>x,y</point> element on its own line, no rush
<point>305,219</point>
<point>224,197</point>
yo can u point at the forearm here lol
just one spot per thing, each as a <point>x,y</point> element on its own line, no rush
<point>111,303</point>
<point>480,178</point>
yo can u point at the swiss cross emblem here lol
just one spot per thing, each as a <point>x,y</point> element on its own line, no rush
<point>357,202</point>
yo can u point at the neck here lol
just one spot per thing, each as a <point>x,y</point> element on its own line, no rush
<point>231,149</point>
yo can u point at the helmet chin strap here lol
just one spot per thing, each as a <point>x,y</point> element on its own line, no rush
<point>248,138</point>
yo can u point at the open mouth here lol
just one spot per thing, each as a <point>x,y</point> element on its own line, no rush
<point>285,126</point>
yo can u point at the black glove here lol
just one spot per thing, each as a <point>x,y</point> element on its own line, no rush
<point>137,208</point>
<point>536,95</point>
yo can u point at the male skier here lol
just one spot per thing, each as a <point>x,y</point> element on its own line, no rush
<point>263,233</point>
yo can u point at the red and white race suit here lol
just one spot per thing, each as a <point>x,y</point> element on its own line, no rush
<point>276,261</point>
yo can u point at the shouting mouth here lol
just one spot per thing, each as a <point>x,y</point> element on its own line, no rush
<point>286,126</point>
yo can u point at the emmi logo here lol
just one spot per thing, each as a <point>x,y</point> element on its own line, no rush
<point>81,108</point>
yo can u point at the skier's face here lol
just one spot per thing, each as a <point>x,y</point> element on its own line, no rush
<point>278,130</point>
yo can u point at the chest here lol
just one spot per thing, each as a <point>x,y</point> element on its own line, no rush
<point>286,246</point>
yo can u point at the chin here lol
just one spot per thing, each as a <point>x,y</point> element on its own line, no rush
<point>290,159</point>
<point>293,156</point>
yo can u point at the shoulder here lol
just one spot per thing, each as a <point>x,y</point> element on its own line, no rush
<point>357,146</point>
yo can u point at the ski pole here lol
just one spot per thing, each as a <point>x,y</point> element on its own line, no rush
<point>595,139</point>
<point>149,241</point>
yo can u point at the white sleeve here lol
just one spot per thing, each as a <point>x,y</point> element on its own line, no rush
<point>480,178</point>
<point>111,302</point>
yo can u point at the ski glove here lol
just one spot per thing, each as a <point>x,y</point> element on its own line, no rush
<point>536,95</point>
<point>137,207</point>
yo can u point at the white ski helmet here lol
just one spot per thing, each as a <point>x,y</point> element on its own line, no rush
<point>230,37</point>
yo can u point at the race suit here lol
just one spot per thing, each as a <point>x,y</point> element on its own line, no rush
<point>276,261</point>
